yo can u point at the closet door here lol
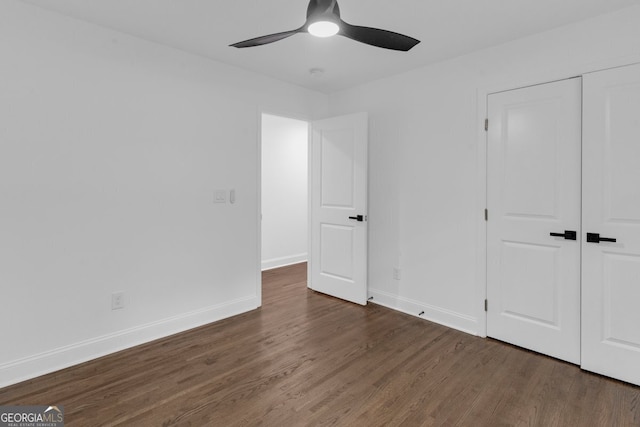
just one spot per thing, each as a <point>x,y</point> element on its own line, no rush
<point>533,197</point>
<point>611,224</point>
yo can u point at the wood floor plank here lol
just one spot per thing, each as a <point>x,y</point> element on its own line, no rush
<point>306,359</point>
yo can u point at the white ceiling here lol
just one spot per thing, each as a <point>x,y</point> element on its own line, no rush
<point>447,28</point>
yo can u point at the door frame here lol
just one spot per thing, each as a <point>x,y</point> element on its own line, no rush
<point>260,111</point>
<point>288,115</point>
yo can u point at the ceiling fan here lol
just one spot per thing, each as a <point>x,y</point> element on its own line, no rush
<point>323,20</point>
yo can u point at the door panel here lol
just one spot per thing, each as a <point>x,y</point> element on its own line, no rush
<point>611,208</point>
<point>336,256</point>
<point>338,192</point>
<point>533,189</point>
<point>338,167</point>
<point>530,140</point>
<point>534,283</point>
<point>621,296</point>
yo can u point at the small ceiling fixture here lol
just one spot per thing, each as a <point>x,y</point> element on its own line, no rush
<point>323,20</point>
<point>316,72</point>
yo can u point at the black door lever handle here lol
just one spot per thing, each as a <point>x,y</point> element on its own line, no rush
<point>358,218</point>
<point>595,238</point>
<point>568,235</point>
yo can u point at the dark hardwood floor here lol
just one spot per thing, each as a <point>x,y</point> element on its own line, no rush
<point>308,359</point>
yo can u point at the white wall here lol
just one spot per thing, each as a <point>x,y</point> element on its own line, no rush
<point>111,148</point>
<point>427,158</point>
<point>110,151</point>
<point>284,191</point>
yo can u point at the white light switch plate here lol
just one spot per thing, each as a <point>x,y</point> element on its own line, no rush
<point>220,196</point>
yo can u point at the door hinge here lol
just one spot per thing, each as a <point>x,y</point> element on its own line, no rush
<point>486,214</point>
<point>486,305</point>
<point>486,124</point>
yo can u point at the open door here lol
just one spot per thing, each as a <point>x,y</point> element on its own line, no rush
<point>338,259</point>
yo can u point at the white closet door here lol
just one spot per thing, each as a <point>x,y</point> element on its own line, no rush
<point>533,192</point>
<point>611,209</point>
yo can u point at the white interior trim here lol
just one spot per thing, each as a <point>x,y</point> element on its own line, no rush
<point>425,311</point>
<point>270,264</point>
<point>93,348</point>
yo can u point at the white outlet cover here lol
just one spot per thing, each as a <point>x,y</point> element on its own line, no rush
<point>117,301</point>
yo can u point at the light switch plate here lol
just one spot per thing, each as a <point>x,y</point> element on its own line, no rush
<point>220,196</point>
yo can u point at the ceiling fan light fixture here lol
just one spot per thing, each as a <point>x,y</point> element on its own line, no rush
<point>323,20</point>
<point>323,29</point>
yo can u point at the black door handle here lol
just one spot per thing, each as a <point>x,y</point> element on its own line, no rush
<point>595,238</point>
<point>358,218</point>
<point>568,235</point>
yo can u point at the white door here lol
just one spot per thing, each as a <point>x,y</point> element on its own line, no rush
<point>611,209</point>
<point>339,207</point>
<point>533,201</point>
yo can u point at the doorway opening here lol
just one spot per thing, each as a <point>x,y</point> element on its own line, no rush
<point>284,188</point>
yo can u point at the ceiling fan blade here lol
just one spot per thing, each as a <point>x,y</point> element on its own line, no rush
<point>377,37</point>
<point>259,41</point>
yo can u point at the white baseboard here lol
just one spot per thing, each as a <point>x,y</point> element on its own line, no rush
<point>434,314</point>
<point>64,357</point>
<point>270,264</point>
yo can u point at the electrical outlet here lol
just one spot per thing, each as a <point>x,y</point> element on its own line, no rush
<point>117,301</point>
<point>396,273</point>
